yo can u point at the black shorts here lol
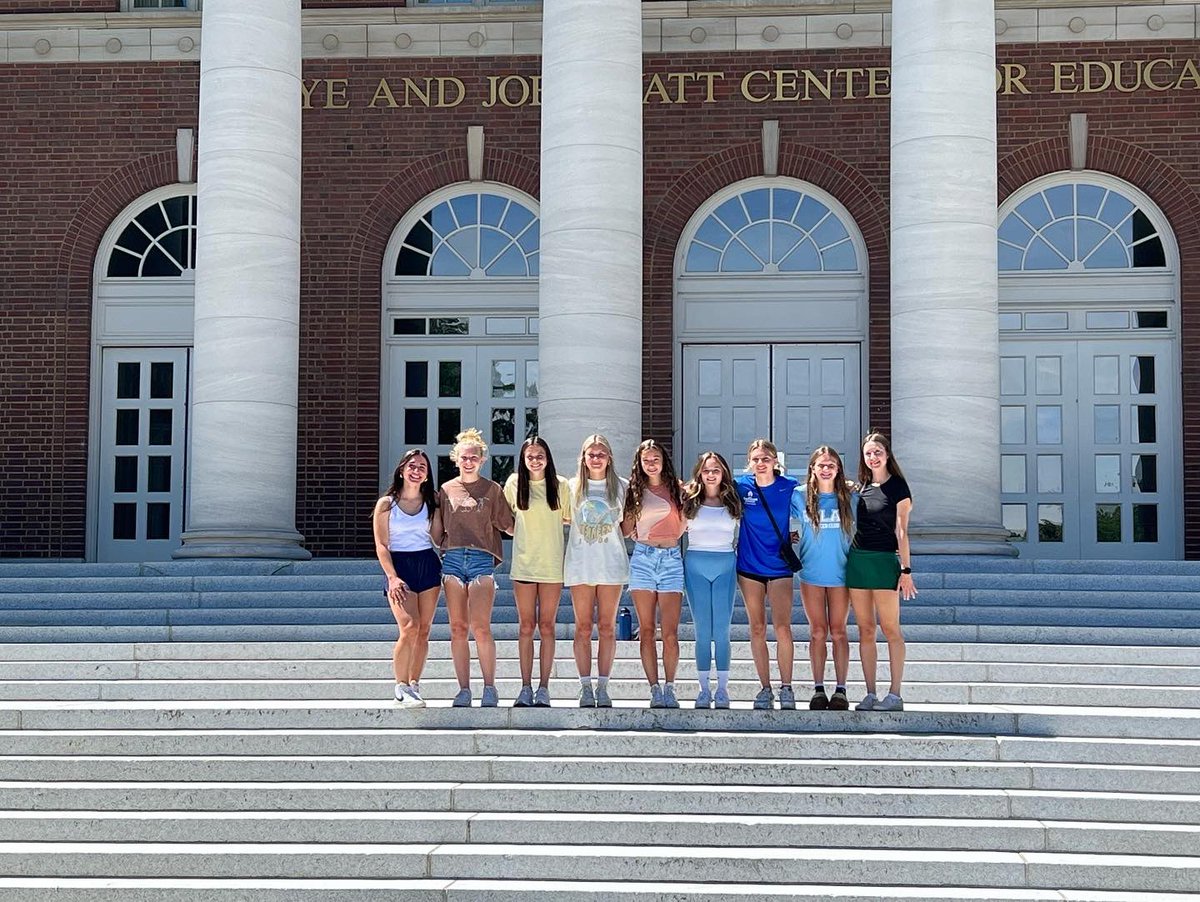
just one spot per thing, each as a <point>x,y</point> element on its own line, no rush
<point>763,578</point>
<point>420,570</point>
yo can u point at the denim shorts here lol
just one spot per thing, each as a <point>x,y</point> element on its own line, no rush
<point>656,569</point>
<point>467,564</point>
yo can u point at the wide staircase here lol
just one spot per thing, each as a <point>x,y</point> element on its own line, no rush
<point>170,732</point>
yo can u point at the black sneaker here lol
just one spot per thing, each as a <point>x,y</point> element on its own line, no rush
<point>838,701</point>
<point>819,701</point>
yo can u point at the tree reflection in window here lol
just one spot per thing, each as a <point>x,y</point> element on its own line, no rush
<point>472,236</point>
<point>772,230</point>
<point>159,242</point>
<point>1078,227</point>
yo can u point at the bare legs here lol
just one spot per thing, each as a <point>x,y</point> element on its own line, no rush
<point>779,593</point>
<point>880,606</point>
<point>470,609</point>
<point>587,600</point>
<point>414,618</point>
<point>537,609</point>
<point>650,606</point>
<point>827,608</point>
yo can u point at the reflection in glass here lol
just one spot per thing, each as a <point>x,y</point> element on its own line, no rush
<point>531,378</point>
<point>1143,375</point>
<point>124,521</point>
<point>160,427</point>
<point>408,325</point>
<point>450,379</point>
<point>1050,522</point>
<point>158,520</point>
<point>1151,319</point>
<point>1106,378</point>
<point>125,474</point>
<point>1012,375</point>
<point>1106,424</point>
<point>1012,473</point>
<point>416,379</point>
<point>531,421</point>
<point>449,325</point>
<point>1108,473</point>
<point>129,377</point>
<point>1145,522</point>
<point>503,425</point>
<point>1048,375</point>
<point>127,427</point>
<point>416,426</point>
<point>504,378</point>
<point>1145,424</point>
<point>1013,516</point>
<point>1145,472</point>
<point>1012,425</point>
<point>449,425</point>
<point>1049,473</point>
<point>1049,425</point>
<point>158,473</point>
<point>1108,522</point>
<point>502,467</point>
<point>162,380</point>
<point>446,468</point>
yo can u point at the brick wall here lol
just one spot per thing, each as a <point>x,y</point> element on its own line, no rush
<point>59,6</point>
<point>84,140</point>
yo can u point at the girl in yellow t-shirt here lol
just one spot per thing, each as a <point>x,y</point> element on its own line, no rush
<point>541,503</point>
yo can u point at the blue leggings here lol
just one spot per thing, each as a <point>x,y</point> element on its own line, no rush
<point>710,577</point>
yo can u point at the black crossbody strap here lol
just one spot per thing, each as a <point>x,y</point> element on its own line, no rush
<point>770,516</point>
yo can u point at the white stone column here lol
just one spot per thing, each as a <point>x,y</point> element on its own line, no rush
<point>945,331</point>
<point>242,462</point>
<point>590,297</point>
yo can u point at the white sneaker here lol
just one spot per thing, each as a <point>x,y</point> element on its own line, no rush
<point>890,702</point>
<point>868,703</point>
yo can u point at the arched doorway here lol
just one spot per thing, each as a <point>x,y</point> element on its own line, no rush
<point>144,289</point>
<point>460,325</point>
<point>1089,371</point>
<point>770,321</point>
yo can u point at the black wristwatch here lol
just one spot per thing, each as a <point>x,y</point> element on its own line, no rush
<point>907,570</point>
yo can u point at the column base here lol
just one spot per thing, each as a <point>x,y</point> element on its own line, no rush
<point>990,540</point>
<point>275,544</point>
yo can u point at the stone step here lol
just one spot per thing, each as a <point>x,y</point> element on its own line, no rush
<point>454,861</point>
<point>633,689</point>
<point>603,829</point>
<point>554,744</point>
<point>35,889</point>
<point>664,771</point>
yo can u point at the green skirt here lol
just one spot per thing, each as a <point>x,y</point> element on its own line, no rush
<point>872,569</point>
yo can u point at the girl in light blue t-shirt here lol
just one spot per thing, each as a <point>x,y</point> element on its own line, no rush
<point>822,513</point>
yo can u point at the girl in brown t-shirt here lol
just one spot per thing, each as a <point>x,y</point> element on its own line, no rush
<point>474,514</point>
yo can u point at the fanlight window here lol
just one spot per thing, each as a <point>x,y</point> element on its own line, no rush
<point>160,241</point>
<point>771,230</point>
<point>1078,227</point>
<point>472,236</point>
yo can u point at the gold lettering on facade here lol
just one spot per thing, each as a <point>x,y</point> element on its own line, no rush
<point>879,77</point>
<point>656,88</point>
<point>1064,75</point>
<point>755,74</point>
<point>1148,74</point>
<point>1097,77</point>
<point>383,91</point>
<point>306,91</point>
<point>824,88</point>
<point>335,94</point>
<point>710,79</point>
<point>1009,79</point>
<point>513,90</point>
<point>1189,74</point>
<point>849,75</point>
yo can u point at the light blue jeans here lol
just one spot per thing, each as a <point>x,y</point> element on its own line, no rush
<point>711,577</point>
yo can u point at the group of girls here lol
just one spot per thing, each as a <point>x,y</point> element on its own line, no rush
<point>740,532</point>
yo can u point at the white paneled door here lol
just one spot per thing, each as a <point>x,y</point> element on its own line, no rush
<point>142,453</point>
<point>799,395</point>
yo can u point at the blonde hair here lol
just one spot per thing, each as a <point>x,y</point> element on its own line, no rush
<point>469,438</point>
<point>612,487</point>
<point>767,445</point>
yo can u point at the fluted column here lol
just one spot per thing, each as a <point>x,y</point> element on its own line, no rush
<point>242,491</point>
<point>945,329</point>
<point>590,299</point>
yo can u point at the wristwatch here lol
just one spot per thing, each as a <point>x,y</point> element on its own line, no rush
<point>907,570</point>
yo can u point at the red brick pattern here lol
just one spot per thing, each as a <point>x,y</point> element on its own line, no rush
<point>82,141</point>
<point>59,6</point>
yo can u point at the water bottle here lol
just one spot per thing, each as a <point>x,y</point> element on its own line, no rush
<point>625,628</point>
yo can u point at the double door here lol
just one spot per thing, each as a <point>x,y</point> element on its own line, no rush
<point>436,391</point>
<point>798,395</point>
<point>1089,448</point>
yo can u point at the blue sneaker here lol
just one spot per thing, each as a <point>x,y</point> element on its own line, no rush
<point>703,698</point>
<point>524,697</point>
<point>656,697</point>
<point>765,700</point>
<point>491,698</point>
<point>721,699</point>
<point>463,699</point>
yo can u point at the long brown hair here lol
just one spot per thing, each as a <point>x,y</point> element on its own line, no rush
<point>638,480</point>
<point>523,475</point>
<point>841,487</point>
<point>693,492</point>
<point>428,492</point>
<point>864,472</point>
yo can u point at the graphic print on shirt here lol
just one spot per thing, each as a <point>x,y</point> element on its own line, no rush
<point>596,519</point>
<point>468,503</point>
<point>830,519</point>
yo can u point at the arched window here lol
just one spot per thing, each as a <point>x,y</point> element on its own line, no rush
<point>1077,227</point>
<point>771,230</point>
<point>159,241</point>
<point>477,235</point>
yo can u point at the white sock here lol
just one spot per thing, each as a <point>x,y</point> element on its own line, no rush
<point>669,687</point>
<point>603,680</point>
<point>704,680</point>
<point>722,680</point>
<point>586,681</point>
